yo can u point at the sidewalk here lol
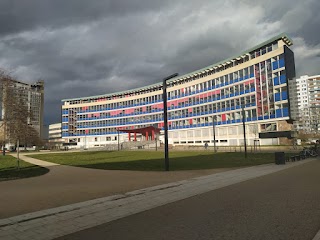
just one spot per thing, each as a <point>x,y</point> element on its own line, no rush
<point>56,222</point>
<point>64,185</point>
<point>35,161</point>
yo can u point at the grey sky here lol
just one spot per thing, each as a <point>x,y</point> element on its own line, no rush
<point>82,48</point>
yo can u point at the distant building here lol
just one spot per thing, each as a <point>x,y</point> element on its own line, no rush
<point>33,95</point>
<point>55,140</point>
<point>55,132</point>
<point>256,80</point>
<point>305,104</point>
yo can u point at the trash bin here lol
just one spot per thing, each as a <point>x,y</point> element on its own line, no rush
<point>280,158</point>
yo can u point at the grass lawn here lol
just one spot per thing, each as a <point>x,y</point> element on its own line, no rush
<point>9,171</point>
<point>154,161</point>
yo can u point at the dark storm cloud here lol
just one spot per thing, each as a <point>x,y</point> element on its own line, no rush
<point>83,48</point>
<point>17,15</point>
<point>299,18</point>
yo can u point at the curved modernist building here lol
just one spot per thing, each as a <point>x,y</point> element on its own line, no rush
<point>256,80</point>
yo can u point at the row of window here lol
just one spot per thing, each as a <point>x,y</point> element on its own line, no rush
<point>222,106</point>
<point>234,117</point>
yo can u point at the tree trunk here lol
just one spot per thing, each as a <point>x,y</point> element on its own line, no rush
<point>18,152</point>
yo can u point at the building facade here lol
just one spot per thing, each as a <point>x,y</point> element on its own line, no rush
<point>32,95</point>
<point>255,80</point>
<point>305,105</point>
<point>54,136</point>
<point>55,132</point>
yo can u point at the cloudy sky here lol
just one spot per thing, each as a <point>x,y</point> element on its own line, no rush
<point>83,48</point>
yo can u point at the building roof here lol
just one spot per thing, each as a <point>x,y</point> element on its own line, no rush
<point>283,36</point>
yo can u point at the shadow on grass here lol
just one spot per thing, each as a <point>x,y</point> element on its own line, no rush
<point>25,172</point>
<point>196,162</point>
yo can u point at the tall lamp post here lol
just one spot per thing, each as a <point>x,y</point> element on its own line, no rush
<point>244,132</point>
<point>165,118</point>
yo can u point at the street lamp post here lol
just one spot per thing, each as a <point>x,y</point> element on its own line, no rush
<point>165,118</point>
<point>244,133</point>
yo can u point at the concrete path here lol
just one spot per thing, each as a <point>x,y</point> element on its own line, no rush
<point>280,206</point>
<point>66,185</point>
<point>56,222</point>
<point>34,161</point>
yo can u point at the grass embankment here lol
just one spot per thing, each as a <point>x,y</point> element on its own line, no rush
<point>154,161</point>
<point>9,170</point>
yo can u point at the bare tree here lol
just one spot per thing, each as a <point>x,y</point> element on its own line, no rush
<point>16,114</point>
<point>5,92</point>
<point>31,137</point>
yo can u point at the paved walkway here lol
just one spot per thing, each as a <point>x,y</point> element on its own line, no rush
<point>66,185</point>
<point>34,161</point>
<point>283,205</point>
<point>60,221</point>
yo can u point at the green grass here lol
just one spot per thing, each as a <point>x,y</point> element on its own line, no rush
<point>154,161</point>
<point>9,170</point>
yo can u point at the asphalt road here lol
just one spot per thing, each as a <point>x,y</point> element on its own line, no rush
<point>284,205</point>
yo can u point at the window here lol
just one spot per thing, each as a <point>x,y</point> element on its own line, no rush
<point>268,127</point>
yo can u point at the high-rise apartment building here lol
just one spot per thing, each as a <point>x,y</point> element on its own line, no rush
<point>32,95</point>
<point>255,80</point>
<point>305,105</point>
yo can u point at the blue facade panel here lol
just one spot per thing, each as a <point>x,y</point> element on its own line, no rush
<point>281,63</point>
<point>275,65</point>
<point>283,79</point>
<point>284,95</point>
<point>279,113</point>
